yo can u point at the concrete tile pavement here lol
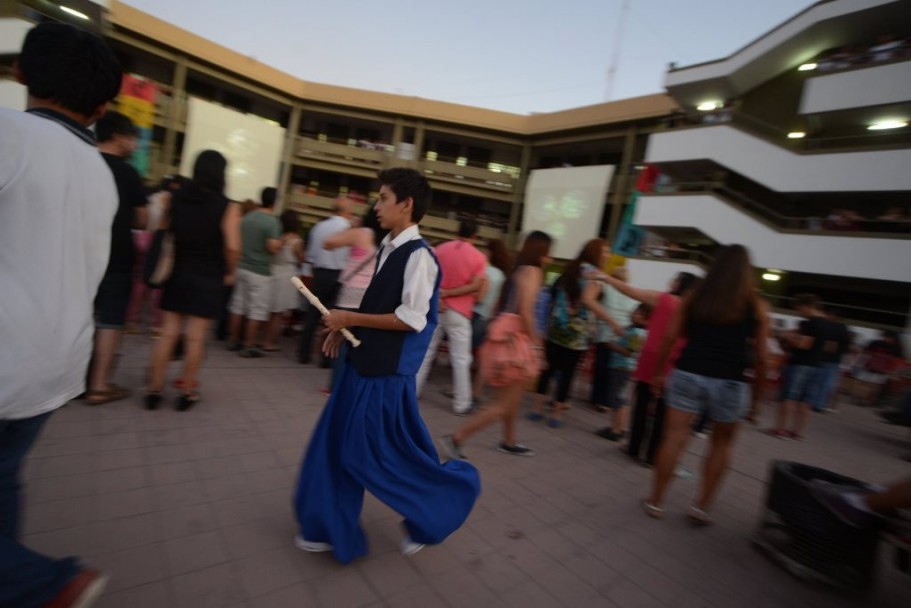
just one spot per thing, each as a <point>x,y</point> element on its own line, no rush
<point>194,509</point>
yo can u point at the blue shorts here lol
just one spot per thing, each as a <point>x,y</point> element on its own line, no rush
<point>722,400</point>
<point>806,384</point>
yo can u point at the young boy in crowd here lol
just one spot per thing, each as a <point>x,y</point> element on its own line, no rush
<point>371,435</point>
<point>622,363</point>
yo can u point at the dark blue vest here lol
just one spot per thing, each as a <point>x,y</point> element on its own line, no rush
<point>383,352</point>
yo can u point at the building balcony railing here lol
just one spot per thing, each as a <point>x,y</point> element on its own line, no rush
<point>381,155</point>
<point>317,206</point>
<point>898,228</point>
<point>370,158</point>
<point>806,143</point>
<point>874,318</point>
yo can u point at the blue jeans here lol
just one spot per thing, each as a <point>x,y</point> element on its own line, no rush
<point>27,579</point>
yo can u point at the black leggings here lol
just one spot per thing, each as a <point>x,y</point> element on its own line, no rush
<point>562,361</point>
<point>644,398</point>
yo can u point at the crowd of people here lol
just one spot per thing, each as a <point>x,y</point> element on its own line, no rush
<point>690,356</point>
<point>887,47</point>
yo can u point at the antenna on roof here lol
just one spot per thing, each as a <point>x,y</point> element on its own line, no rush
<point>615,52</point>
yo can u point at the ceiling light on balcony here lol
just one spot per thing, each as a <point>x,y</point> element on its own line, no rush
<point>806,67</point>
<point>796,135</point>
<point>73,12</point>
<point>771,276</point>
<point>708,106</point>
<point>884,125</point>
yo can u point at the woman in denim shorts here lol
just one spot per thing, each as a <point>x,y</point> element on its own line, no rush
<point>721,320</point>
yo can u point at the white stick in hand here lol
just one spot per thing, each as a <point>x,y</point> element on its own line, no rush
<point>319,306</point>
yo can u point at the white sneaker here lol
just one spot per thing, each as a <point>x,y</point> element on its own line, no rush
<point>308,545</point>
<point>408,547</point>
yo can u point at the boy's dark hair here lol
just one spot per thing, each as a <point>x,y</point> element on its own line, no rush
<point>114,123</point>
<point>645,310</point>
<point>468,229</point>
<point>808,300</point>
<point>268,197</point>
<point>408,183</point>
<point>70,67</point>
<point>209,171</point>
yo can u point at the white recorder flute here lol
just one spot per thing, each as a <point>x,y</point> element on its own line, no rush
<point>319,306</point>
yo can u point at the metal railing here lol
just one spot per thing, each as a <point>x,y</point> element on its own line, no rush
<point>780,135</point>
<point>876,318</point>
<point>897,228</point>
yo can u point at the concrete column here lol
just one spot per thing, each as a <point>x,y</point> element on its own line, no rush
<point>512,231</point>
<point>178,102</point>
<point>291,136</point>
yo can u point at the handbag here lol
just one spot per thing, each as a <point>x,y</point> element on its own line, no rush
<point>508,355</point>
<point>160,259</point>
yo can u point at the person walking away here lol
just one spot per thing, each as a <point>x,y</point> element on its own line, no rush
<point>207,239</point>
<point>58,199</point>
<point>722,319</point>
<point>252,297</point>
<point>117,140</point>
<point>511,354</point>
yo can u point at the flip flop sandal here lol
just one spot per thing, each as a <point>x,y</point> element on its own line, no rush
<point>115,393</point>
<point>652,511</point>
<point>699,517</point>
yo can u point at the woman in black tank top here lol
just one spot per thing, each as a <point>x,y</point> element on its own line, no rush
<point>721,321</point>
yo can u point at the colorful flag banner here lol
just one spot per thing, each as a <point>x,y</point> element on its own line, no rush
<point>137,101</point>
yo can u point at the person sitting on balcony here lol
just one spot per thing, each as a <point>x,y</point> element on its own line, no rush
<point>886,48</point>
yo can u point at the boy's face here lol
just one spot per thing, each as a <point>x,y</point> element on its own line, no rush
<point>390,212</point>
<point>638,318</point>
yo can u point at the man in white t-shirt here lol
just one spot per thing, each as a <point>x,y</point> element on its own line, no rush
<point>57,204</point>
<point>326,265</point>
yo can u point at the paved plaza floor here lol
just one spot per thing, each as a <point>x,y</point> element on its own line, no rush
<point>193,509</point>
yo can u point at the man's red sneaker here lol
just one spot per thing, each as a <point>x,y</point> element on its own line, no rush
<point>81,592</point>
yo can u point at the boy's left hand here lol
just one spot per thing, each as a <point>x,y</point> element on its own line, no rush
<point>336,319</point>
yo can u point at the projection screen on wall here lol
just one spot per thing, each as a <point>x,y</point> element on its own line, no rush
<point>567,204</point>
<point>252,145</point>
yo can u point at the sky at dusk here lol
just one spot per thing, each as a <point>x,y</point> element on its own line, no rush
<point>522,57</point>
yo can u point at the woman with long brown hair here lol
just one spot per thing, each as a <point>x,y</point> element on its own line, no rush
<point>510,356</point>
<point>576,303</point>
<point>206,228</point>
<point>721,320</point>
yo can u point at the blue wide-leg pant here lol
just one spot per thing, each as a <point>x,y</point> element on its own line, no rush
<point>371,436</point>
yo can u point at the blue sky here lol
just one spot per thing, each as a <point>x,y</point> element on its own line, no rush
<point>520,56</point>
